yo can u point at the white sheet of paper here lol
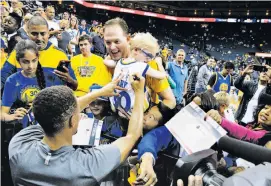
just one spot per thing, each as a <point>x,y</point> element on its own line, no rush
<point>192,132</point>
<point>83,132</point>
<point>244,163</point>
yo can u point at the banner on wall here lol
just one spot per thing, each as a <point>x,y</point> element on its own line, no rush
<point>163,16</point>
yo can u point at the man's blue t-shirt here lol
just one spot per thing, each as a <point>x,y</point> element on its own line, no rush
<point>179,74</point>
<point>19,88</point>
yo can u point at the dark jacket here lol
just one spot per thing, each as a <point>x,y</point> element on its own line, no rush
<point>249,88</point>
<point>99,46</point>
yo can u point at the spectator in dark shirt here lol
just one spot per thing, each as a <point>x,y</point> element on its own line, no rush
<point>11,24</point>
<point>222,81</point>
<point>83,27</point>
<point>64,38</point>
<point>98,43</point>
<point>22,32</point>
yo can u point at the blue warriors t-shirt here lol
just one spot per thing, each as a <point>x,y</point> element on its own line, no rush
<point>19,88</point>
<point>222,83</point>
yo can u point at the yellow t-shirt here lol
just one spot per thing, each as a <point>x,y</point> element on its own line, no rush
<point>49,57</point>
<point>88,71</point>
<point>155,85</point>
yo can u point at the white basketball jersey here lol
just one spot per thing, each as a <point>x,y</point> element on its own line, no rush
<point>125,101</point>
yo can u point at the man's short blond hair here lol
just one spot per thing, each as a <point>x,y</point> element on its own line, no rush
<point>181,50</point>
<point>222,98</point>
<point>117,21</point>
<point>146,42</point>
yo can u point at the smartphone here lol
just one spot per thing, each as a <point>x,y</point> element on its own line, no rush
<point>63,63</point>
<point>259,68</point>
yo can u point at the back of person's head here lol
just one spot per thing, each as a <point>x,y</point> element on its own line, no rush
<point>37,21</point>
<point>36,13</point>
<point>208,101</point>
<point>191,98</point>
<point>229,65</point>
<point>210,91</point>
<point>53,108</point>
<point>117,21</point>
<point>222,98</point>
<point>85,37</point>
<point>145,41</point>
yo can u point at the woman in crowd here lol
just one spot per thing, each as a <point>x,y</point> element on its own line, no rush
<point>74,33</point>
<point>22,87</point>
<point>258,132</point>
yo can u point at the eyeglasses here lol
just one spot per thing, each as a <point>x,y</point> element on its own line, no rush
<point>147,54</point>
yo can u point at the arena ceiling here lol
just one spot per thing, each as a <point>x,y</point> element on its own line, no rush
<point>200,8</point>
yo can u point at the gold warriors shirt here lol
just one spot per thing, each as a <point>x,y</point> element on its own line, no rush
<point>88,71</point>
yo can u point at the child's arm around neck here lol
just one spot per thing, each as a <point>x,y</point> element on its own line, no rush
<point>156,74</point>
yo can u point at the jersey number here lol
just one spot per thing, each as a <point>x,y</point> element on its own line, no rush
<point>118,101</point>
<point>33,93</point>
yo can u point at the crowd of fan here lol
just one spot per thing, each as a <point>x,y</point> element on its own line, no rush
<point>33,44</point>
